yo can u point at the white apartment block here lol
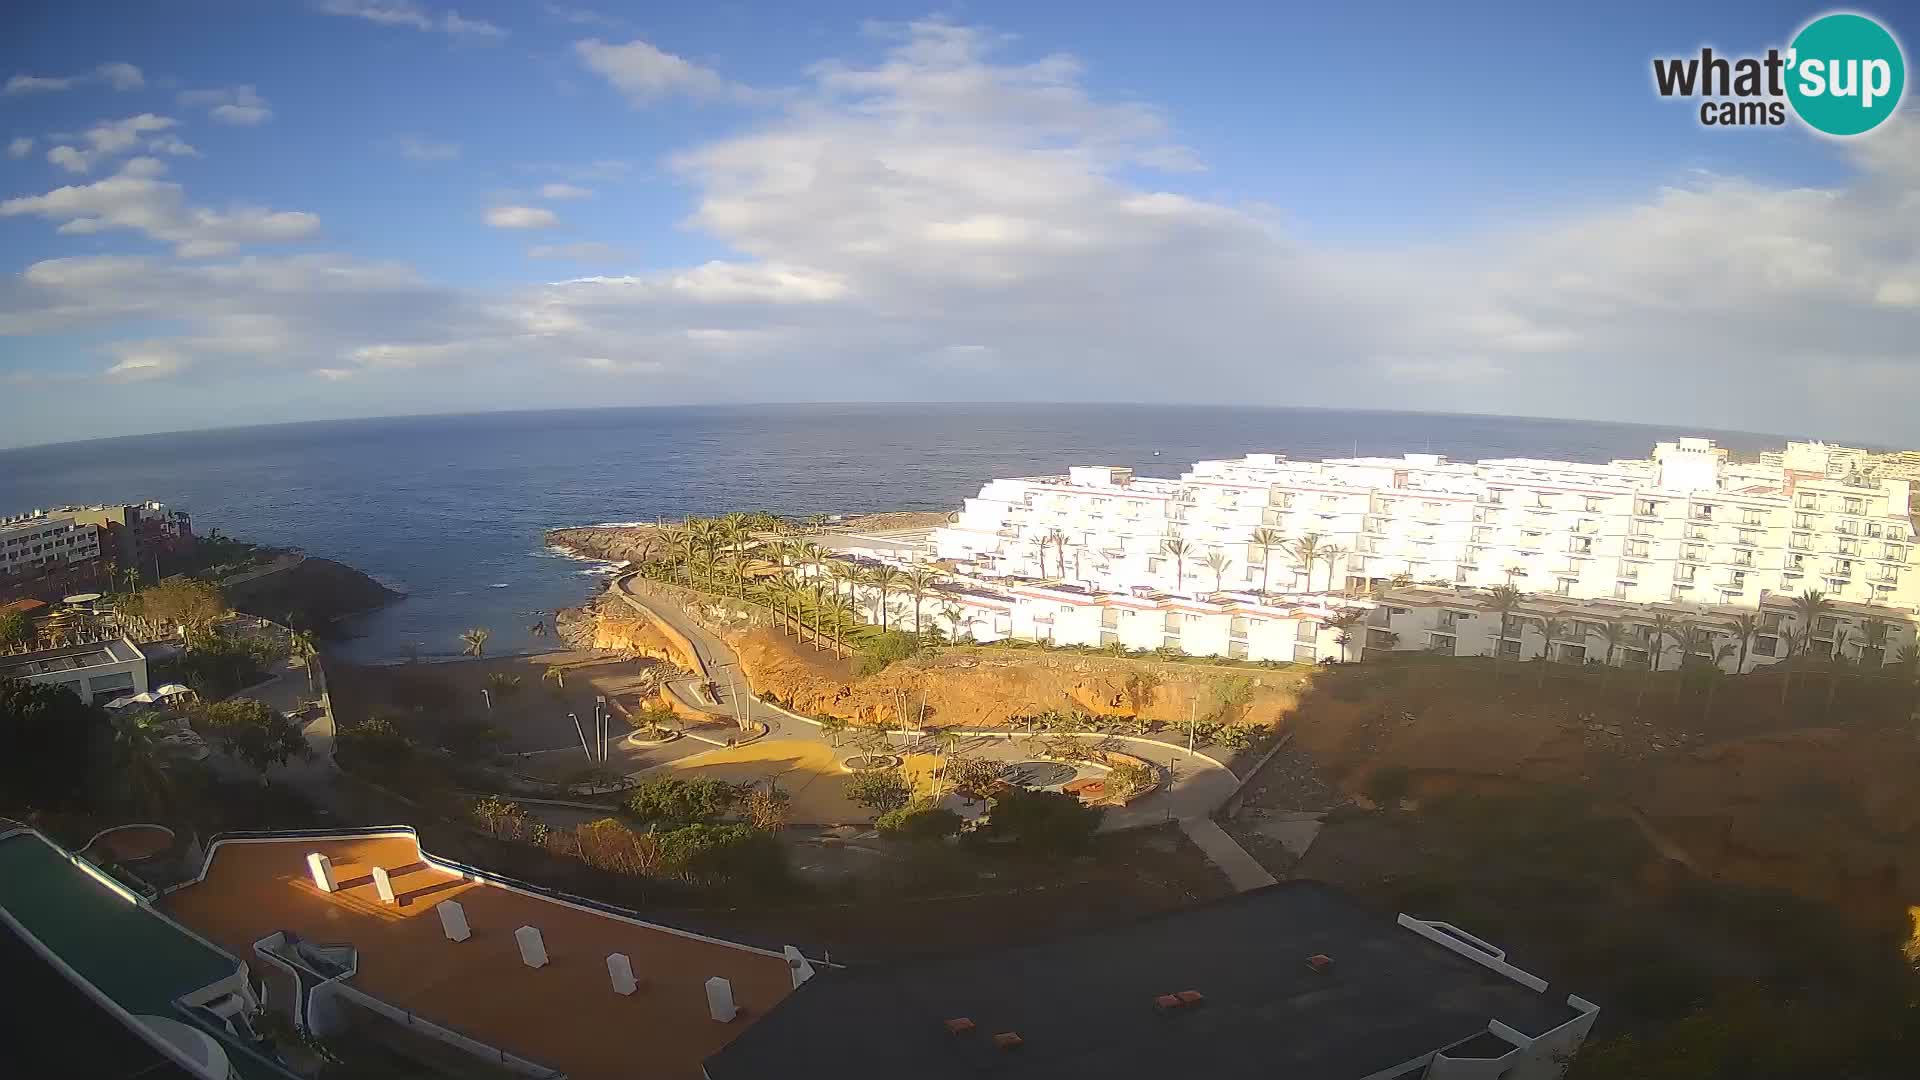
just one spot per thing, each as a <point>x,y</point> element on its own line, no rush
<point>1089,558</point>
<point>35,543</point>
<point>1687,526</point>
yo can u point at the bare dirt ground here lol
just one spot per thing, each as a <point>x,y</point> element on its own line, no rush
<point>950,900</point>
<point>425,699</point>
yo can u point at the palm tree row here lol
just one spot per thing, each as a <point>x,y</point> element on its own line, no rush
<point>1306,550</point>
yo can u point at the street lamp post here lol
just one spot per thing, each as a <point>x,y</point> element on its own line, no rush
<point>486,697</point>
<point>578,730</point>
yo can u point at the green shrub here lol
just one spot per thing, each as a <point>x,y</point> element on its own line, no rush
<point>921,821</point>
<point>731,852</point>
<point>879,789</point>
<point>1043,821</point>
<point>1241,736</point>
<point>1126,779</point>
<point>675,799</point>
<point>883,649</point>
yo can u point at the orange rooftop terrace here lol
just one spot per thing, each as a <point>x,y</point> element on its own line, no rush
<point>565,1015</point>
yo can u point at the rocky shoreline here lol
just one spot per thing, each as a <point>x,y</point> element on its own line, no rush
<point>316,593</point>
<point>638,542</point>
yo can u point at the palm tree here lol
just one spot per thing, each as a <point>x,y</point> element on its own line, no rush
<point>1713,680</point>
<point>684,541</point>
<point>1551,629</point>
<point>1745,626</point>
<point>1331,555</point>
<point>843,573</point>
<point>920,582</point>
<point>476,641</point>
<point>1615,633</point>
<point>1218,562</point>
<point>303,649</point>
<point>1908,661</point>
<point>1305,550</point>
<point>955,615</point>
<point>130,577</point>
<point>1266,540</point>
<point>823,587</point>
<point>1659,629</point>
<point>884,578</point>
<point>1059,541</point>
<point>1345,621</point>
<point>557,677</point>
<point>1039,544</point>
<point>1808,608</point>
<point>1504,599</point>
<point>1179,549</point>
<point>142,763</point>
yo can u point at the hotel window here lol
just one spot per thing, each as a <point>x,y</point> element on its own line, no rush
<point>1637,549</point>
<point>1676,594</point>
<point>1803,521</point>
<point>1749,536</point>
<point>1595,504</point>
<point>1843,568</point>
<point>1796,562</point>
<point>1620,591</point>
<point>1849,547</point>
<point>1564,586</point>
<point>1809,501</point>
<point>1854,506</point>
<point>1800,543</point>
<point>1691,551</point>
<point>1848,526</point>
<point>1306,631</point>
<point>1753,517</point>
<point>1743,558</point>
<point>1703,512</point>
<point>1646,507</point>
<point>1581,545</point>
<point>1697,532</point>
<point>1874,531</point>
<point>1765,646</point>
<point>1684,572</point>
<point>1896,553</point>
<point>1828,624</point>
<point>1497,496</point>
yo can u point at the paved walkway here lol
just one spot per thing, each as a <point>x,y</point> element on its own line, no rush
<point>1242,870</point>
<point>720,666</point>
<point>1199,786</point>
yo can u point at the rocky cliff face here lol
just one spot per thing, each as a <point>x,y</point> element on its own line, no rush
<point>614,543</point>
<point>317,592</point>
<point>986,687</point>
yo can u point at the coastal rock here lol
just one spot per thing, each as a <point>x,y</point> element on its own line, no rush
<point>316,592</point>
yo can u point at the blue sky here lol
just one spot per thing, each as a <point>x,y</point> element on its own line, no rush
<point>285,210</point>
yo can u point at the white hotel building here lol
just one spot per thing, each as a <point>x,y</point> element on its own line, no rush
<point>1083,558</point>
<point>34,543</point>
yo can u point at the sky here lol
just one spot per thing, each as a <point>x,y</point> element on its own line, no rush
<point>229,212</point>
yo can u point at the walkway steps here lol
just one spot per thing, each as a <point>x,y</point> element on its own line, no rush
<point>1243,871</point>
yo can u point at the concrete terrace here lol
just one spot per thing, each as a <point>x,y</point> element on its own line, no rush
<point>564,1015</point>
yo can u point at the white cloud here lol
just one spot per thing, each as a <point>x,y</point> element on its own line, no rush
<point>34,84</point>
<point>948,220</point>
<point>171,144</point>
<point>417,149</point>
<point>20,147</point>
<point>606,365</point>
<point>141,361</point>
<point>565,191</point>
<point>121,75</point>
<point>646,74</point>
<point>240,106</point>
<point>104,140</point>
<point>521,217</point>
<point>136,199</point>
<point>116,73</point>
<point>412,15</point>
<point>585,251</point>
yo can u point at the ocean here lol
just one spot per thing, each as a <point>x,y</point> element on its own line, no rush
<point>450,509</point>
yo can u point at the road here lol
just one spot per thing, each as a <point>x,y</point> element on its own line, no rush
<point>720,665</point>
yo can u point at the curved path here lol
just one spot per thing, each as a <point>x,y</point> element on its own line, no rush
<point>1200,784</point>
<point>719,666</point>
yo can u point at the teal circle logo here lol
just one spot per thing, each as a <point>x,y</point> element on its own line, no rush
<point>1845,74</point>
